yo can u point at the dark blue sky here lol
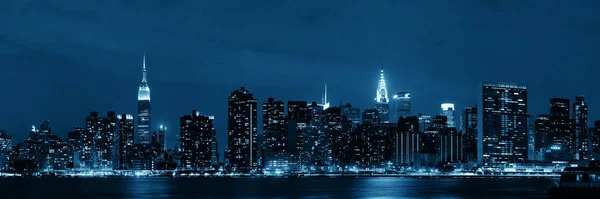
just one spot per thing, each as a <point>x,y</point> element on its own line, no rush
<point>61,59</point>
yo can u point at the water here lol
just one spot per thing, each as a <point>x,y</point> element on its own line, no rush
<point>67,188</point>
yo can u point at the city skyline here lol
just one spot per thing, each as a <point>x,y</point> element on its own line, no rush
<point>63,78</point>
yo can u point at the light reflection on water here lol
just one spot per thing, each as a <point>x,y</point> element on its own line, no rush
<point>273,188</point>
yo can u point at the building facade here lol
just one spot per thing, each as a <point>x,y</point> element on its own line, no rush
<point>382,100</point>
<point>448,111</point>
<point>144,111</point>
<point>242,130</point>
<point>582,137</point>
<point>401,106</point>
<point>504,123</point>
<point>196,134</point>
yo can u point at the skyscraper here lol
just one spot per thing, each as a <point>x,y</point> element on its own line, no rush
<point>126,138</point>
<point>351,114</point>
<point>470,130</point>
<point>448,111</point>
<point>370,116</point>
<point>543,141</point>
<point>107,140</point>
<point>143,125</point>
<point>196,132</point>
<point>161,137</point>
<point>504,123</point>
<point>401,106</point>
<point>382,100</point>
<point>274,132</point>
<point>242,128</point>
<point>561,132</point>
<point>582,136</point>
<point>92,140</point>
<point>424,122</point>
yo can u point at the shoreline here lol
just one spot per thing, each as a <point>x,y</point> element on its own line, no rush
<point>307,176</point>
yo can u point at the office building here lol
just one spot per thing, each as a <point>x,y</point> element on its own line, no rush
<point>401,106</point>
<point>196,133</point>
<point>382,100</point>
<point>126,127</point>
<point>144,111</point>
<point>582,137</point>
<point>504,123</point>
<point>448,111</point>
<point>470,129</point>
<point>242,130</point>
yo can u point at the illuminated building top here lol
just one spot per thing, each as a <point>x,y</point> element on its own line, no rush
<point>144,90</point>
<point>382,93</point>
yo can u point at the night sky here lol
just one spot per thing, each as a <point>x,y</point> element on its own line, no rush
<point>61,59</point>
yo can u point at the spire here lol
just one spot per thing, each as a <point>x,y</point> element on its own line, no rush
<point>144,69</point>
<point>382,94</point>
<point>324,102</point>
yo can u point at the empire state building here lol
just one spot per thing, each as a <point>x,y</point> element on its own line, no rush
<point>143,125</point>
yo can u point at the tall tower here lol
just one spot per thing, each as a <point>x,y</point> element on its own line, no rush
<point>448,111</point>
<point>143,125</point>
<point>504,123</point>
<point>382,100</point>
<point>582,137</point>
<point>400,106</point>
<point>242,138</point>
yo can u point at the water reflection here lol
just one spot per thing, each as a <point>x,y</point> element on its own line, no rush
<point>65,188</point>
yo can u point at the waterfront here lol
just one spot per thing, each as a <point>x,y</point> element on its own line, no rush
<point>275,187</point>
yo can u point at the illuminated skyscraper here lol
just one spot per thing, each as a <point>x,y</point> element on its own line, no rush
<point>274,133</point>
<point>242,130</point>
<point>126,138</point>
<point>107,144</point>
<point>470,130</point>
<point>582,136</point>
<point>504,123</point>
<point>382,100</point>
<point>561,131</point>
<point>143,125</point>
<point>448,111</point>
<point>196,132</point>
<point>401,106</point>
<point>161,137</point>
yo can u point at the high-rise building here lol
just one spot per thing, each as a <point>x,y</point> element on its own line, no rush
<point>143,125</point>
<point>298,111</point>
<point>161,137</point>
<point>5,141</point>
<point>401,106</point>
<point>371,116</point>
<point>274,133</point>
<point>215,146</point>
<point>196,133</point>
<point>126,139</point>
<point>470,130</point>
<point>561,131</point>
<point>91,144</point>
<point>75,141</point>
<point>542,132</point>
<point>595,135</point>
<point>382,100</point>
<point>582,137</point>
<point>351,114</point>
<point>242,130</point>
<point>5,150</point>
<point>504,123</point>
<point>448,111</point>
<point>107,146</point>
<point>424,122</point>
<point>407,142</point>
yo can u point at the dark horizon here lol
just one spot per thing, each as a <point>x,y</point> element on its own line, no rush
<point>64,59</point>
